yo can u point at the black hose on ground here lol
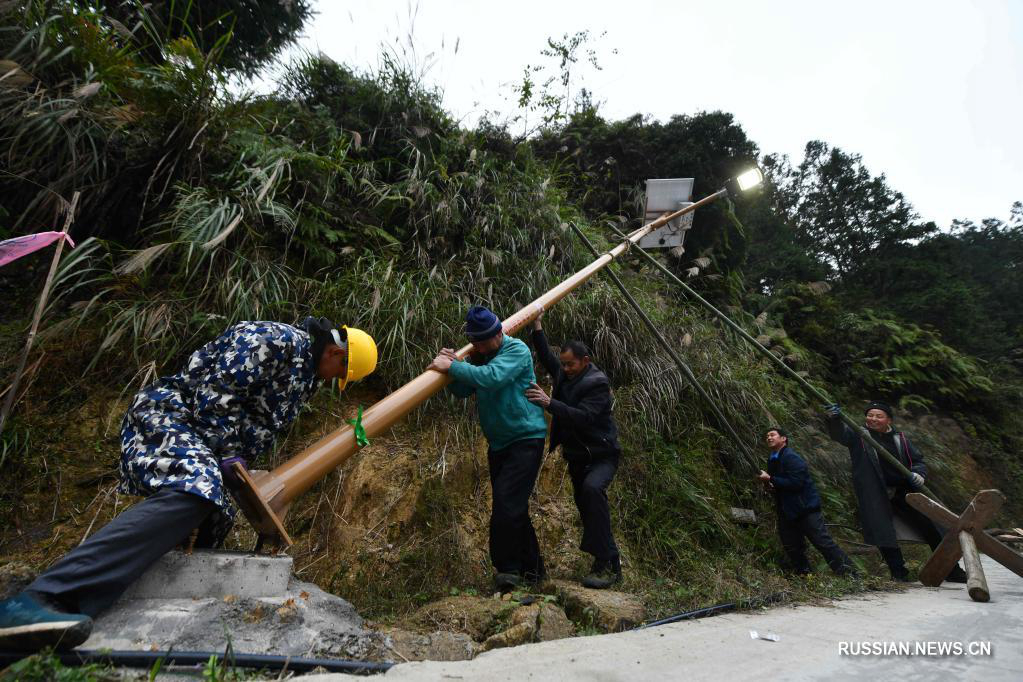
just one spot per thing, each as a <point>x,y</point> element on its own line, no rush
<point>716,609</point>
<point>147,659</point>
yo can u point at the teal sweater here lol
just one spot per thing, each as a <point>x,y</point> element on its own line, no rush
<point>500,386</point>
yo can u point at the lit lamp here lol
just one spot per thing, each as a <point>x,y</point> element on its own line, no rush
<point>744,181</point>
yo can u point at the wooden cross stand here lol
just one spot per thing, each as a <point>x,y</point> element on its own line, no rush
<point>966,538</point>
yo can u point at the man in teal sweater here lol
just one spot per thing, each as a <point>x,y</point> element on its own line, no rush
<point>499,370</point>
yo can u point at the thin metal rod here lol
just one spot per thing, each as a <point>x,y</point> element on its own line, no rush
<point>683,367</point>
<point>813,390</point>
<point>37,316</point>
<point>279,487</point>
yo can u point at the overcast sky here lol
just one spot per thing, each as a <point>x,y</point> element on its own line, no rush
<point>929,92</point>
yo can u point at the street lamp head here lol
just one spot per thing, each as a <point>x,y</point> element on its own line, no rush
<point>750,178</point>
<point>744,181</point>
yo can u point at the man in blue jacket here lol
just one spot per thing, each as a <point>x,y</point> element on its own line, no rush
<point>799,508</point>
<point>179,442</point>
<point>498,372</point>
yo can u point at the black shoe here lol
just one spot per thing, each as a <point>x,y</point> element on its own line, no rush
<point>28,623</point>
<point>956,575</point>
<point>506,582</point>
<point>901,577</point>
<point>604,574</point>
<point>534,579</point>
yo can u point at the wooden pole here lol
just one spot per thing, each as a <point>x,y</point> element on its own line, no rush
<point>976,582</point>
<point>37,316</point>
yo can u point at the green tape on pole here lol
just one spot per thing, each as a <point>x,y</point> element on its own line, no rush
<point>361,439</point>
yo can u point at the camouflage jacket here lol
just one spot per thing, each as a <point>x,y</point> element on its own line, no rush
<point>233,396</point>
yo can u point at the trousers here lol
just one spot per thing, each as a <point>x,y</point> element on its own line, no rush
<point>513,544</point>
<point>91,577</point>
<point>590,480</point>
<point>794,534</point>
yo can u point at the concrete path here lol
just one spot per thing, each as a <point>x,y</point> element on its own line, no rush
<point>720,648</point>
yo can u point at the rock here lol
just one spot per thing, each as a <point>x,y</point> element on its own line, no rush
<point>553,623</point>
<point>608,611</point>
<point>520,633</point>
<point>764,340</point>
<point>779,335</point>
<point>13,578</point>
<point>478,617</point>
<point>434,646</point>
<point>791,360</point>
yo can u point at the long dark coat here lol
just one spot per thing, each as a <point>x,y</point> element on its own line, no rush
<point>875,508</point>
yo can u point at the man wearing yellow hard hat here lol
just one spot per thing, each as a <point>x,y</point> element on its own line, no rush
<point>179,441</point>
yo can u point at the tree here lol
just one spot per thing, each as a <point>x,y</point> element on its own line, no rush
<point>843,215</point>
<point>247,33</point>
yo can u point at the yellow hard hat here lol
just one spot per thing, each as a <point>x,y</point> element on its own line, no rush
<point>362,356</point>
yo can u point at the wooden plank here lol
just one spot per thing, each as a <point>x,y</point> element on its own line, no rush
<point>976,581</point>
<point>943,558</point>
<point>981,509</point>
<point>999,552</point>
<point>984,506</point>
<point>932,510</point>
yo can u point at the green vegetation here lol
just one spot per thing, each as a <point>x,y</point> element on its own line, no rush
<point>356,196</point>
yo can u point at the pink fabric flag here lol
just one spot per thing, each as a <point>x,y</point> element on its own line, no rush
<point>13,249</point>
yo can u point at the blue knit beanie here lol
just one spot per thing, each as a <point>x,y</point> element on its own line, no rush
<point>481,324</point>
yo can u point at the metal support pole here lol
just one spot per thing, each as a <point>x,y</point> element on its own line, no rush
<point>683,367</point>
<point>813,390</point>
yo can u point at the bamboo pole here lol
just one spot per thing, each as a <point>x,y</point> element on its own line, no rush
<point>683,367</point>
<point>38,314</point>
<point>813,390</point>
<point>265,497</point>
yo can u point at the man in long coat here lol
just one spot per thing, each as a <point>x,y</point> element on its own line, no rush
<point>881,489</point>
<point>179,442</point>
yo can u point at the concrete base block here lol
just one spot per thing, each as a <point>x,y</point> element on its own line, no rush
<point>213,574</point>
<point>302,621</point>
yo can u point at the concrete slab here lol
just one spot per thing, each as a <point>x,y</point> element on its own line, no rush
<point>213,574</point>
<point>810,645</point>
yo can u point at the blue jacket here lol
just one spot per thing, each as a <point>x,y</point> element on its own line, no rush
<point>232,397</point>
<point>794,490</point>
<point>500,385</point>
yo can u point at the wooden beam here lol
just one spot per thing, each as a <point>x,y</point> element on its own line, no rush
<point>981,509</point>
<point>943,558</point>
<point>1001,553</point>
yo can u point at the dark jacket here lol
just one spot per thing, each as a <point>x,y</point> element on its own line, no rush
<point>872,476</point>
<point>580,408</point>
<point>794,491</point>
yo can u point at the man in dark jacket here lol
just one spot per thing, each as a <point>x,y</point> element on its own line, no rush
<point>881,489</point>
<point>584,428</point>
<point>799,508</point>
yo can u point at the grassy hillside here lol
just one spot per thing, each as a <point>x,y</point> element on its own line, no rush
<point>357,197</point>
